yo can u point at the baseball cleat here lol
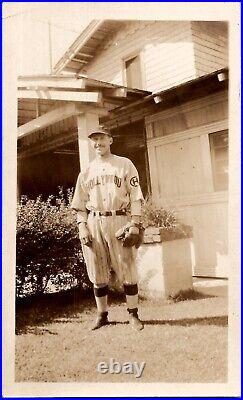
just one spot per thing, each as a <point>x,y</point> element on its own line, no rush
<point>101,320</point>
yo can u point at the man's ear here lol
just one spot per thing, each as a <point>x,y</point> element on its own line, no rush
<point>111,140</point>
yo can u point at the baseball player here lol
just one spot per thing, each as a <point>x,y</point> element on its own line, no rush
<point>109,237</point>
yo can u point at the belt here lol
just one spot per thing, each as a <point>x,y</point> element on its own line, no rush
<point>108,213</point>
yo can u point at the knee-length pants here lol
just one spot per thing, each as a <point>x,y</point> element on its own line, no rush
<point>107,252</point>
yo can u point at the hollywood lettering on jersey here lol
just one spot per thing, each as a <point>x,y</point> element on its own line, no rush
<point>103,180</point>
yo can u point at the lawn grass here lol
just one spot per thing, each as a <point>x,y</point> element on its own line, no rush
<point>183,341</point>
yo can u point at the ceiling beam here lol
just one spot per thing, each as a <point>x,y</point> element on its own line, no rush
<point>38,113</point>
<point>84,55</point>
<point>64,95</point>
<point>60,140</point>
<point>47,119</point>
<point>80,61</point>
<point>57,115</point>
<point>67,152</point>
<point>117,92</point>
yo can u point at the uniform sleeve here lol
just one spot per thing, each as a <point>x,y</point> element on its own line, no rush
<point>80,196</point>
<point>132,183</point>
<point>136,207</point>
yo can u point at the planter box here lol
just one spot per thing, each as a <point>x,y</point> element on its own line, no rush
<point>164,268</point>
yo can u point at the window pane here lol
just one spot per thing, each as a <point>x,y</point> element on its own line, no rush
<point>219,156</point>
<point>220,139</point>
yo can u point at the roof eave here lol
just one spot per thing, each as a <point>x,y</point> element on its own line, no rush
<point>74,48</point>
<point>176,88</point>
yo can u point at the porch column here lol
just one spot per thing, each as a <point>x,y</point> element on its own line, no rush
<point>18,180</point>
<point>85,122</point>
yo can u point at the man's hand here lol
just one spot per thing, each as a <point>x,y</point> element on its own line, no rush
<point>84,234</point>
<point>131,235</point>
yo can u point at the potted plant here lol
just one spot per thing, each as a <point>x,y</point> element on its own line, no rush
<point>166,256</point>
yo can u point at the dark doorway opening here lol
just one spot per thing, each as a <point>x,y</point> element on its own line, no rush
<point>44,173</point>
<point>130,142</point>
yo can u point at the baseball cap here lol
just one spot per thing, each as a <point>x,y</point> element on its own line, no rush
<point>99,129</point>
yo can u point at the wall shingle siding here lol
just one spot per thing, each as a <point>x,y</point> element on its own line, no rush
<point>166,51</point>
<point>171,52</point>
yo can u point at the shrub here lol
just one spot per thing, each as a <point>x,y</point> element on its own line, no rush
<point>165,219</point>
<point>48,249</point>
<point>159,217</point>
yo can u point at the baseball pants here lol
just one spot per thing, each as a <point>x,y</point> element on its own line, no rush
<point>107,252</point>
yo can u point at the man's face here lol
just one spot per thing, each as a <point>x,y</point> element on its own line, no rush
<point>101,143</point>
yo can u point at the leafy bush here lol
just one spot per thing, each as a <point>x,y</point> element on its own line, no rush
<point>165,219</point>
<point>48,249</point>
<point>159,217</point>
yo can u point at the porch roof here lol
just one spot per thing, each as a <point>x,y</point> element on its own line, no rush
<point>38,95</point>
<point>153,102</point>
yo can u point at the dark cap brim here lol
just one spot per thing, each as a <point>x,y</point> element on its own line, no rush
<point>99,132</point>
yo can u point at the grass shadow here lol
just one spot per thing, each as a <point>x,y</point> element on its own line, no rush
<point>39,331</point>
<point>118,322</point>
<point>183,295</point>
<point>47,308</point>
<point>58,308</point>
<point>215,320</point>
<point>190,294</point>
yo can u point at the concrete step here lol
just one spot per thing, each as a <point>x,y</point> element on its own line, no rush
<point>211,286</point>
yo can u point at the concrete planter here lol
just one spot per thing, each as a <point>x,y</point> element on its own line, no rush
<point>164,265</point>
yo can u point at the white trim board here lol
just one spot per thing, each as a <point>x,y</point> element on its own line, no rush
<point>188,106</point>
<point>189,133</point>
<point>51,82</point>
<point>196,200</point>
<point>87,97</point>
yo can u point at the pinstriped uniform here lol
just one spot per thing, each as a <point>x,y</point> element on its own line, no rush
<point>107,251</point>
<point>108,185</point>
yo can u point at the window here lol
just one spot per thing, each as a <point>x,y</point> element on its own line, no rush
<point>133,73</point>
<point>219,155</point>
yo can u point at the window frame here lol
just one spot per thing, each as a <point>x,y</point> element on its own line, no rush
<point>214,161</point>
<point>139,54</point>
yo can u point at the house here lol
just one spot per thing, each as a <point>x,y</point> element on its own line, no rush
<point>162,88</point>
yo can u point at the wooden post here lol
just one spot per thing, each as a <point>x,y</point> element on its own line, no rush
<point>85,123</point>
<point>18,180</point>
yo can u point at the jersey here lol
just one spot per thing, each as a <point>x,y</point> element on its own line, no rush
<point>110,183</point>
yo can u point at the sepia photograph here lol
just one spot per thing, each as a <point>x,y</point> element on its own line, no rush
<point>121,176</point>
